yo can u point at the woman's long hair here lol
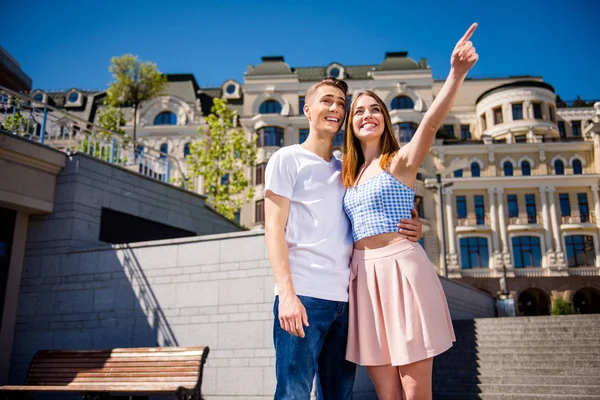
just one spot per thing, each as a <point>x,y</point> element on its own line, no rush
<point>353,158</point>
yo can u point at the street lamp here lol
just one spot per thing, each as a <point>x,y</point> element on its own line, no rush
<point>438,185</point>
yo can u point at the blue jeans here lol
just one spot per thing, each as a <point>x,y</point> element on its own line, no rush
<point>322,351</point>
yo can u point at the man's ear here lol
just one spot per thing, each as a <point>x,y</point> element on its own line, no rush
<point>306,110</point>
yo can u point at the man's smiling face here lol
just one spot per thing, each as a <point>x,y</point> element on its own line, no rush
<point>326,109</point>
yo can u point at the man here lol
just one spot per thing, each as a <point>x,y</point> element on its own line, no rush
<point>309,241</point>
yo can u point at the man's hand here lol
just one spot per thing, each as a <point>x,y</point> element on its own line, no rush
<point>412,229</point>
<point>292,315</point>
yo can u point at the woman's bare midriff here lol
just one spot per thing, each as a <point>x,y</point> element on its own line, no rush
<point>379,241</point>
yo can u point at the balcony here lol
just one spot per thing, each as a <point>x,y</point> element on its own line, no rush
<point>530,272</point>
<point>525,222</point>
<point>578,221</point>
<point>584,271</point>
<point>473,224</point>
<point>477,273</point>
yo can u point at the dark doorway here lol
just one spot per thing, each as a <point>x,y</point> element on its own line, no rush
<point>534,302</point>
<point>587,301</point>
<point>7,229</point>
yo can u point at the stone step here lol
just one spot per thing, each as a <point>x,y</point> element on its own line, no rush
<point>510,369</point>
<point>550,358</point>
<point>510,336</point>
<point>531,343</point>
<point>539,380</point>
<point>537,330</point>
<point>586,390</point>
<point>519,322</point>
<point>522,396</point>
<point>543,318</point>
<point>466,350</point>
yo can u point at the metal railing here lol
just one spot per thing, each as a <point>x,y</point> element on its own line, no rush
<point>41,123</point>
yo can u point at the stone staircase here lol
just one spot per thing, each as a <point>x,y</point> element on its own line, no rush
<point>524,358</point>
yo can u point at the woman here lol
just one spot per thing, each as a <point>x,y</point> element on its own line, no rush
<point>399,317</point>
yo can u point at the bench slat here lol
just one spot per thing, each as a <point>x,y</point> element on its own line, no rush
<point>91,388</point>
<point>131,372</point>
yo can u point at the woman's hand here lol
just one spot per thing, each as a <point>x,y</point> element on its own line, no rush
<point>464,55</point>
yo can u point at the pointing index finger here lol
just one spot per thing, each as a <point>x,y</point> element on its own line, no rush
<point>469,33</point>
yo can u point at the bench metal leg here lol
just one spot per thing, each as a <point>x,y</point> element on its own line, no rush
<point>96,396</point>
<point>188,394</point>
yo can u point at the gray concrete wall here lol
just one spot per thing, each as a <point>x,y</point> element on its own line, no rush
<point>213,290</point>
<point>86,185</point>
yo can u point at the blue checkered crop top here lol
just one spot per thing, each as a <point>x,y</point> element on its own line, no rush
<point>377,205</point>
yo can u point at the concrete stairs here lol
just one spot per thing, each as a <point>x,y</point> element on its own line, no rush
<point>523,358</point>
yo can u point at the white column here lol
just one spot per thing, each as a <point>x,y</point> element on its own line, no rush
<point>450,222</point>
<point>546,219</point>
<point>597,212</point>
<point>554,219</point>
<point>493,220</point>
<point>502,221</point>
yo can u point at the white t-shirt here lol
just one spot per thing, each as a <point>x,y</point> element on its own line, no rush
<point>318,232</point>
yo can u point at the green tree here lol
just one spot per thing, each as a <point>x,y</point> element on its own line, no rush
<point>220,157</point>
<point>134,81</point>
<point>111,119</point>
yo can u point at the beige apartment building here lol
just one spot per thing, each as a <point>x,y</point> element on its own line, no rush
<point>521,204</point>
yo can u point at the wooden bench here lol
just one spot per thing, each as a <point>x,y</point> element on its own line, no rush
<point>101,373</point>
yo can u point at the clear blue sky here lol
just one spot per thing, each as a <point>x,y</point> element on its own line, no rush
<point>70,43</point>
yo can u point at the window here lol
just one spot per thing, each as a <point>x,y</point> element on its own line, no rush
<point>461,207</point>
<point>508,168</point>
<point>419,206</point>
<point>513,206</point>
<point>402,103</point>
<point>483,122</point>
<point>404,131</point>
<point>580,251</point>
<point>479,210</point>
<point>498,115</point>
<point>465,132</point>
<point>139,152</point>
<point>164,150</point>
<point>577,168</point>
<point>38,97</point>
<point>236,215</point>
<point>517,110</point>
<point>527,251</point>
<point>338,140</point>
<point>335,72</point>
<point>259,211</point>
<point>530,207</point>
<point>304,135</point>
<point>165,118</point>
<point>521,139</point>
<point>551,112</point>
<point>449,130</point>
<point>561,129</point>
<point>559,167</point>
<point>474,253</point>
<point>301,101</point>
<point>270,107</point>
<point>475,170</point>
<point>576,128</point>
<point>458,173</point>
<point>73,97</point>
<point>230,89</point>
<point>186,150</point>
<point>584,208</point>
<point>537,111</point>
<point>565,206</point>
<point>259,178</point>
<point>525,168</point>
<point>270,136</point>
<point>225,179</point>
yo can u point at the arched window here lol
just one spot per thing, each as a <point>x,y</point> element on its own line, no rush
<point>475,170</point>
<point>527,251</point>
<point>577,168</point>
<point>186,149</point>
<point>458,173</point>
<point>474,252</point>
<point>73,97</point>
<point>166,118</point>
<point>38,97</point>
<point>270,107</point>
<point>402,103</point>
<point>508,168</point>
<point>559,167</point>
<point>164,150</point>
<point>525,168</point>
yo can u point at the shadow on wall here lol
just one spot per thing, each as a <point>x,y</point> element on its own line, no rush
<point>86,300</point>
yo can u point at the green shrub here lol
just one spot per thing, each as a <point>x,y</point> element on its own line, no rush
<point>562,307</point>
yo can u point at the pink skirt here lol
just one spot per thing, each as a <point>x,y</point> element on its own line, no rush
<point>398,309</point>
